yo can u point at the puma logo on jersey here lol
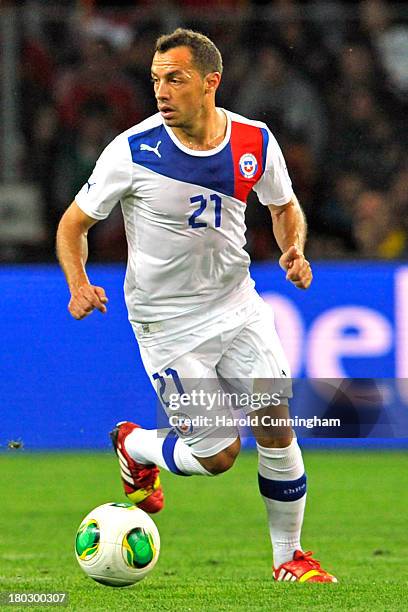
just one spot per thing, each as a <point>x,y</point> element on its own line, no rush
<point>89,185</point>
<point>155,150</point>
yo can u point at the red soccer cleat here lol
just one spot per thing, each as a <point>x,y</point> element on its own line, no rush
<point>302,569</point>
<point>141,482</point>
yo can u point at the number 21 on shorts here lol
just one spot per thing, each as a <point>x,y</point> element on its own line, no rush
<point>173,374</point>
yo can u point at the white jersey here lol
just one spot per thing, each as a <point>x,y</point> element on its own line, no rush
<point>184,213</point>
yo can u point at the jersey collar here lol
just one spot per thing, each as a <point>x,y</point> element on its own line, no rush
<point>208,153</point>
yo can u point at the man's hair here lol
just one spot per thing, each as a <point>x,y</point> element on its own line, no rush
<point>205,54</point>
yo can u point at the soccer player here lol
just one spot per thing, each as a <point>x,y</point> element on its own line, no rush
<point>182,177</point>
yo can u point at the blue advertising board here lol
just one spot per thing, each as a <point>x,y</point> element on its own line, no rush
<point>64,383</point>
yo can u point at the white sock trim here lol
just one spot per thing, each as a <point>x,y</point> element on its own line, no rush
<point>281,463</point>
<point>185,460</point>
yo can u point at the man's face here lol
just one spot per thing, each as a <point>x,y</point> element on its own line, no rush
<point>178,86</point>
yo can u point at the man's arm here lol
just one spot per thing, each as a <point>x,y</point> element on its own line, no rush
<point>72,253</point>
<point>289,228</point>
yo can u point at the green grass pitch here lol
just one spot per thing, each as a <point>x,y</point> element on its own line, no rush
<point>215,547</point>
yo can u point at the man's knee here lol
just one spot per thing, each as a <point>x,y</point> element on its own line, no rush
<point>275,441</point>
<point>273,436</point>
<point>222,461</point>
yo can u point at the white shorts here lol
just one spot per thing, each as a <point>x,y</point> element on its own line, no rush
<point>237,363</point>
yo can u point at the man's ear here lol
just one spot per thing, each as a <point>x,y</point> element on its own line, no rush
<point>212,81</point>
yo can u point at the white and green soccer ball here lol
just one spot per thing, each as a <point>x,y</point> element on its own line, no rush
<point>117,544</point>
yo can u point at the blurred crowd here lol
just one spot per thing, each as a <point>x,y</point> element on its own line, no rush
<point>329,78</point>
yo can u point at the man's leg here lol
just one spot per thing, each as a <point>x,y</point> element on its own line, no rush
<point>140,451</point>
<point>171,453</point>
<point>254,361</point>
<point>189,448</point>
<point>282,483</point>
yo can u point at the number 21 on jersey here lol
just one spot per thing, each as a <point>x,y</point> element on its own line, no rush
<point>202,205</point>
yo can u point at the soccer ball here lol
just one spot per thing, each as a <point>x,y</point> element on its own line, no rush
<point>117,544</point>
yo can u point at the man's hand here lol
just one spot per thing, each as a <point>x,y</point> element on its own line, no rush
<point>297,268</point>
<point>85,299</point>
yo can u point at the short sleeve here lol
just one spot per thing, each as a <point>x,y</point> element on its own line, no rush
<point>110,180</point>
<point>274,186</point>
